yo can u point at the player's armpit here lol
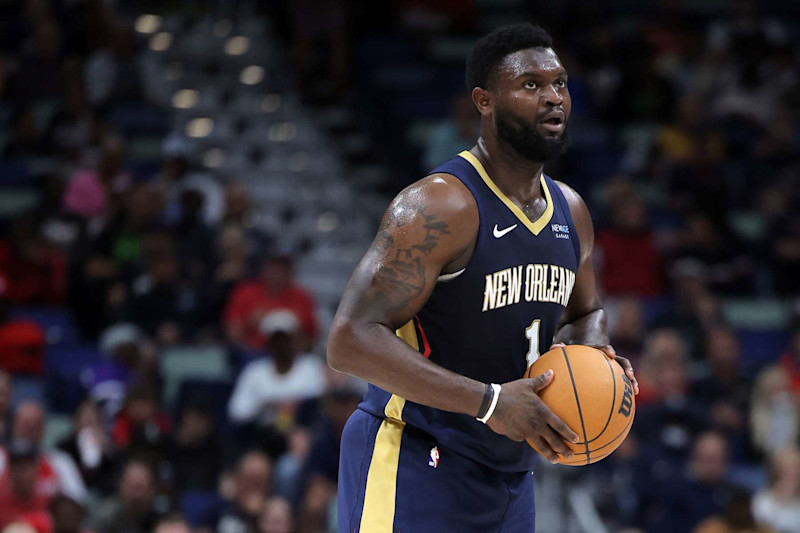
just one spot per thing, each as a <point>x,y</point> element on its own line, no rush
<point>429,228</point>
<point>584,311</point>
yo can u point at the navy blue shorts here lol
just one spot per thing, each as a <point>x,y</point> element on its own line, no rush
<point>395,478</point>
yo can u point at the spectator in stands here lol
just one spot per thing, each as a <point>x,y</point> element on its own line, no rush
<point>38,74</point>
<point>774,411</point>
<point>193,237</point>
<point>34,271</point>
<point>243,507</point>
<point>131,511</point>
<point>234,262</point>
<point>6,420</point>
<point>784,245</point>
<point>695,308</point>
<point>627,327</point>
<point>114,74</point>
<point>67,515</point>
<point>778,505</point>
<point>631,264</point>
<point>689,136</point>
<point>250,301</point>
<point>725,392</point>
<point>321,471</point>
<point>699,492</point>
<point>270,388</point>
<point>90,448</point>
<point>667,426</point>
<point>736,517</point>
<point>790,359</point>
<point>277,517</point>
<point>141,427</point>
<point>175,177</point>
<point>21,490</point>
<point>239,215</point>
<point>56,472</point>
<point>171,523</point>
<point>127,351</point>
<point>20,527</point>
<point>22,341</point>
<point>91,192</point>
<point>195,442</point>
<point>25,141</point>
<point>69,131</point>
<point>727,269</point>
<point>452,135</point>
<point>164,307</point>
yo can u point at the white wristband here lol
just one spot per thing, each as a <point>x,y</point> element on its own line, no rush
<point>492,405</point>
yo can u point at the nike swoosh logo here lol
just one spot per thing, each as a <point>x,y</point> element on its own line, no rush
<point>500,232</point>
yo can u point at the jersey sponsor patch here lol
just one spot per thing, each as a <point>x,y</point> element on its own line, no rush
<point>561,231</point>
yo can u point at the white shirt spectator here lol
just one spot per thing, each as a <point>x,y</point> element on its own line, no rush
<point>260,389</point>
<point>57,475</point>
<point>781,517</point>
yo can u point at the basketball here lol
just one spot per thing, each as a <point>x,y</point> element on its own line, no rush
<point>592,395</point>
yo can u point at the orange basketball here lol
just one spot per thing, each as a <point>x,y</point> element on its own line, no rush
<point>592,394</point>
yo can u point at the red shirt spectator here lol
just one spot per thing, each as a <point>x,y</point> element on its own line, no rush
<point>631,264</point>
<point>250,301</point>
<point>141,418</point>
<point>22,345</point>
<point>27,484</point>
<point>790,360</point>
<point>32,271</point>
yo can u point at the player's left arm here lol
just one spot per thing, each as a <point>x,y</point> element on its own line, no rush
<point>584,319</point>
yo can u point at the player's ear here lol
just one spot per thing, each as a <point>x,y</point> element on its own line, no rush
<point>483,100</point>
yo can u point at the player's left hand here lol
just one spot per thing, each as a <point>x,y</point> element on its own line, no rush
<point>612,354</point>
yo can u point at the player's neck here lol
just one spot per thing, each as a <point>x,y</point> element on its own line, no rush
<point>516,176</point>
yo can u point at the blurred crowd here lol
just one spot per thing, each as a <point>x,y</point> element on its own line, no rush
<point>142,259</point>
<point>685,146</point>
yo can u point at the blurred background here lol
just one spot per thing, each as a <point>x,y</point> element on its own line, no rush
<point>186,186</point>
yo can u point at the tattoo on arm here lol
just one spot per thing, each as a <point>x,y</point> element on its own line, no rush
<point>402,274</point>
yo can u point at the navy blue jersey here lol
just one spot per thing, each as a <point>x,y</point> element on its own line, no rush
<point>492,320</point>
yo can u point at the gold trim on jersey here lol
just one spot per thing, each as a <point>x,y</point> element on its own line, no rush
<point>535,226</point>
<point>381,492</point>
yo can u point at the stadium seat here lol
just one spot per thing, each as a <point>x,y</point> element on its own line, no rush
<point>64,366</point>
<point>194,504</point>
<point>191,362</point>
<point>13,172</point>
<point>27,388</point>
<point>761,346</point>
<point>56,428</point>
<point>57,323</point>
<point>217,390</point>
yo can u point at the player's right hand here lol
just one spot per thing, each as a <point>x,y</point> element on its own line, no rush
<point>520,414</point>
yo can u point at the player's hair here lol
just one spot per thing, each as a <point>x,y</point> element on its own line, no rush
<point>492,48</point>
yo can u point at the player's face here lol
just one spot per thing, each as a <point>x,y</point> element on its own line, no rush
<point>532,103</point>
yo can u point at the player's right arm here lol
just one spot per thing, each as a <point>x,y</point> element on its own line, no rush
<point>430,228</point>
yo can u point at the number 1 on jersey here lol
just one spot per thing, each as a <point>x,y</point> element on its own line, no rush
<point>532,332</point>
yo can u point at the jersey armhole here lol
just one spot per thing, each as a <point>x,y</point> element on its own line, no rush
<point>455,167</point>
<point>576,245</point>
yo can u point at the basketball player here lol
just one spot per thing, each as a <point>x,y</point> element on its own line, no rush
<point>476,270</point>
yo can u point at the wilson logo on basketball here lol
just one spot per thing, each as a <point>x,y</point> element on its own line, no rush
<point>627,399</point>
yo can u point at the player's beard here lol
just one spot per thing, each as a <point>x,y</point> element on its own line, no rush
<point>526,141</point>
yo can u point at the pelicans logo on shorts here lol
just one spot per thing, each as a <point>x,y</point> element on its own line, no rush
<point>434,457</point>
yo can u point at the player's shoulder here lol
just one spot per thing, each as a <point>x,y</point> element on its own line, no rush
<point>580,216</point>
<point>442,194</point>
<point>574,200</point>
<point>577,205</point>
